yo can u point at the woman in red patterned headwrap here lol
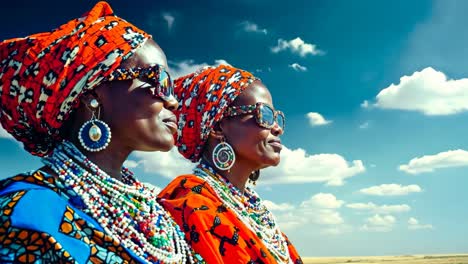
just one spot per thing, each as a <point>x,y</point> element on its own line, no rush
<point>227,123</point>
<point>84,96</point>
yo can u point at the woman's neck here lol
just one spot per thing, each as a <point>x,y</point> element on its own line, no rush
<point>110,160</point>
<point>238,175</point>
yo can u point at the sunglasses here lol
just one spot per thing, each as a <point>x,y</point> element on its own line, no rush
<point>264,114</point>
<point>156,74</point>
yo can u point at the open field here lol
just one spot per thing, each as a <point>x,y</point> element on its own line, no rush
<point>407,259</point>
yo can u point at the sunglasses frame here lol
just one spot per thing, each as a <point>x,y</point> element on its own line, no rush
<point>152,72</point>
<point>257,111</point>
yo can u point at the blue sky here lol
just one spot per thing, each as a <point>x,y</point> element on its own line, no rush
<point>376,98</point>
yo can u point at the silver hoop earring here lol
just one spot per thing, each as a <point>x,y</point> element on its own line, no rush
<point>223,156</point>
<point>95,134</point>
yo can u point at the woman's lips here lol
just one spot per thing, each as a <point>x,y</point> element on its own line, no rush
<point>171,123</point>
<point>276,144</point>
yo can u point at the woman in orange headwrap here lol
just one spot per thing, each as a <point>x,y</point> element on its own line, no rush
<point>228,125</point>
<point>83,97</point>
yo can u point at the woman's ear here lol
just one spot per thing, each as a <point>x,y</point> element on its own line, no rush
<point>88,97</point>
<point>217,131</point>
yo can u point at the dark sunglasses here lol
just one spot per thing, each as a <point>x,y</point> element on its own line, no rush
<point>156,74</point>
<point>264,114</point>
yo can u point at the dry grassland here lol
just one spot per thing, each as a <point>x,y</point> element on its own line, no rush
<point>409,259</point>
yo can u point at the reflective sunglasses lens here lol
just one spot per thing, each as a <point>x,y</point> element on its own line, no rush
<point>280,120</point>
<point>267,115</point>
<point>166,88</point>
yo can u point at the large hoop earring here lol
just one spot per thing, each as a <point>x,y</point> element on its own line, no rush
<point>253,177</point>
<point>223,156</point>
<point>95,134</point>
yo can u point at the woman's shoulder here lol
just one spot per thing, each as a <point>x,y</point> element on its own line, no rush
<point>31,180</point>
<point>188,187</point>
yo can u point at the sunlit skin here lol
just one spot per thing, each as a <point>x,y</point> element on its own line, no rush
<point>137,119</point>
<point>255,147</point>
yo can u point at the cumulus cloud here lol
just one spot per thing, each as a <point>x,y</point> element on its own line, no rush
<point>364,125</point>
<point>297,46</point>
<point>316,119</point>
<point>5,134</point>
<point>428,91</point>
<point>391,190</point>
<point>252,27</point>
<point>169,18</point>
<point>429,163</point>
<point>324,201</point>
<point>379,209</point>
<point>298,67</point>
<point>413,224</point>
<point>185,67</point>
<point>319,210</point>
<point>297,166</point>
<point>278,207</point>
<point>130,164</point>
<point>166,164</point>
<point>378,223</point>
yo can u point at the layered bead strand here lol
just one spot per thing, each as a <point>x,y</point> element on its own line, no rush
<point>251,211</point>
<point>128,212</point>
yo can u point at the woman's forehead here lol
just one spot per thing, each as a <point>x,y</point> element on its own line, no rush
<point>148,54</point>
<point>255,93</point>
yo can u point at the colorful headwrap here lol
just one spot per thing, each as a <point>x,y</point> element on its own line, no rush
<point>43,75</point>
<point>203,97</point>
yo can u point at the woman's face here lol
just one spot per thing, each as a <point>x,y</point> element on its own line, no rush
<point>256,145</point>
<point>137,119</point>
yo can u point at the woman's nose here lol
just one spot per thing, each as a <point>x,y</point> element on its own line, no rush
<point>171,104</point>
<point>277,130</point>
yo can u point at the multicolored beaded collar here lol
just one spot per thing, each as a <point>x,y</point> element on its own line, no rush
<point>250,209</point>
<point>127,211</point>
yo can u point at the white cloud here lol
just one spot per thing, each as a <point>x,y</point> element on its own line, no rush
<point>185,67</point>
<point>316,119</point>
<point>320,210</point>
<point>428,91</point>
<point>130,164</point>
<point>169,20</point>
<point>167,164</point>
<point>297,46</point>
<point>391,189</point>
<point>429,163</point>
<point>364,125</point>
<point>413,224</point>
<point>297,166</point>
<point>379,223</point>
<point>277,207</point>
<point>5,134</point>
<point>252,27</point>
<point>380,209</point>
<point>365,104</point>
<point>298,67</point>
<point>323,200</point>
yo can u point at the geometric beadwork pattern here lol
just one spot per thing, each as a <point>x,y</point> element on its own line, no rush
<point>20,244</point>
<point>211,228</point>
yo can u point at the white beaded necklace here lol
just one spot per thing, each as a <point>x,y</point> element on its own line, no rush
<point>129,213</point>
<point>253,213</point>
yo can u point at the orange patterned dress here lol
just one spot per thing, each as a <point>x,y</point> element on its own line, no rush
<point>215,230</point>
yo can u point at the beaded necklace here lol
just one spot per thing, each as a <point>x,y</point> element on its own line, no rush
<point>250,210</point>
<point>128,212</point>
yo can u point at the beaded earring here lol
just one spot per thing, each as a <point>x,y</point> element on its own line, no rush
<point>223,156</point>
<point>253,177</point>
<point>94,135</point>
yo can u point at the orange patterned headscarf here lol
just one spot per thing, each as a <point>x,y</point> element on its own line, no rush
<point>43,75</point>
<point>203,97</point>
